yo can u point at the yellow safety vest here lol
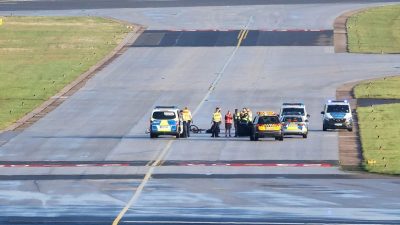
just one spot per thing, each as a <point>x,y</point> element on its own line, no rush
<point>250,116</point>
<point>186,115</point>
<point>217,117</point>
<point>237,116</point>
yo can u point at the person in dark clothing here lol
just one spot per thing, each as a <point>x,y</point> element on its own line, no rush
<point>236,120</point>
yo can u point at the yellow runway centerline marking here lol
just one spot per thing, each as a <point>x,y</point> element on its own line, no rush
<point>240,34</point>
<point>245,35</point>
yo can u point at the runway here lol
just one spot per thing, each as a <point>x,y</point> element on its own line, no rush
<point>195,38</point>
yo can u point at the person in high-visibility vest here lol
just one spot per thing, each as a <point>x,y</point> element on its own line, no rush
<point>236,120</point>
<point>216,121</point>
<point>187,119</point>
<point>249,115</point>
<point>244,116</point>
<point>228,123</point>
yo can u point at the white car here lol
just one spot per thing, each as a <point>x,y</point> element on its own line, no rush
<point>166,120</point>
<point>294,109</point>
<point>337,115</point>
<point>294,125</point>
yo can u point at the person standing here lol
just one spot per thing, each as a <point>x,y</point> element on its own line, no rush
<point>216,121</point>
<point>236,119</point>
<point>187,119</point>
<point>244,115</point>
<point>228,123</point>
<point>249,115</point>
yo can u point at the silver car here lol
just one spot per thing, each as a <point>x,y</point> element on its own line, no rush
<point>294,125</point>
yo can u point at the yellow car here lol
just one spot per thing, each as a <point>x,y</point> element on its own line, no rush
<point>294,125</point>
<point>266,124</point>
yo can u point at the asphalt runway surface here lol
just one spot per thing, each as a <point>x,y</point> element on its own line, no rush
<point>160,38</point>
<point>89,159</point>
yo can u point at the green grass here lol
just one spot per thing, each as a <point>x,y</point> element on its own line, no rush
<point>379,131</point>
<point>388,88</point>
<point>41,55</point>
<point>376,30</point>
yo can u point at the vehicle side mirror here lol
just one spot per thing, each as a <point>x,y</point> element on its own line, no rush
<point>306,121</point>
<point>308,115</point>
<point>322,112</point>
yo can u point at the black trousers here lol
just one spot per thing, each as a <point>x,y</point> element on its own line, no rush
<point>215,129</point>
<point>188,127</point>
<point>236,123</point>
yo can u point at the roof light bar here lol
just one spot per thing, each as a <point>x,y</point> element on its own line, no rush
<point>338,101</point>
<point>165,107</point>
<point>293,103</point>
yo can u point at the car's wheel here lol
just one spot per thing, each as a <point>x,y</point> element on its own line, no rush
<point>324,128</point>
<point>281,138</point>
<point>350,129</point>
<point>256,137</point>
<point>153,135</point>
<point>304,135</point>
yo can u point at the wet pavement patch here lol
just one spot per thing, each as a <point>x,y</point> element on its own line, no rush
<point>365,102</point>
<point>219,38</point>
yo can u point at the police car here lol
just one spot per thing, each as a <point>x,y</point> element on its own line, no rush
<point>266,124</point>
<point>294,125</point>
<point>294,109</point>
<point>337,115</point>
<point>166,120</point>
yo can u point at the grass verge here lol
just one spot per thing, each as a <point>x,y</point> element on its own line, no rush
<point>379,132</point>
<point>384,88</point>
<point>41,55</point>
<point>375,30</point>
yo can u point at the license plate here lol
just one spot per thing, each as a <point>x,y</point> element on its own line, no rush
<point>164,127</point>
<point>338,124</point>
<point>292,128</point>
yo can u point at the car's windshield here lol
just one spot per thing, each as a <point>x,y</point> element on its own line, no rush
<point>292,119</point>
<point>163,115</point>
<point>338,108</point>
<point>293,111</point>
<point>268,119</point>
